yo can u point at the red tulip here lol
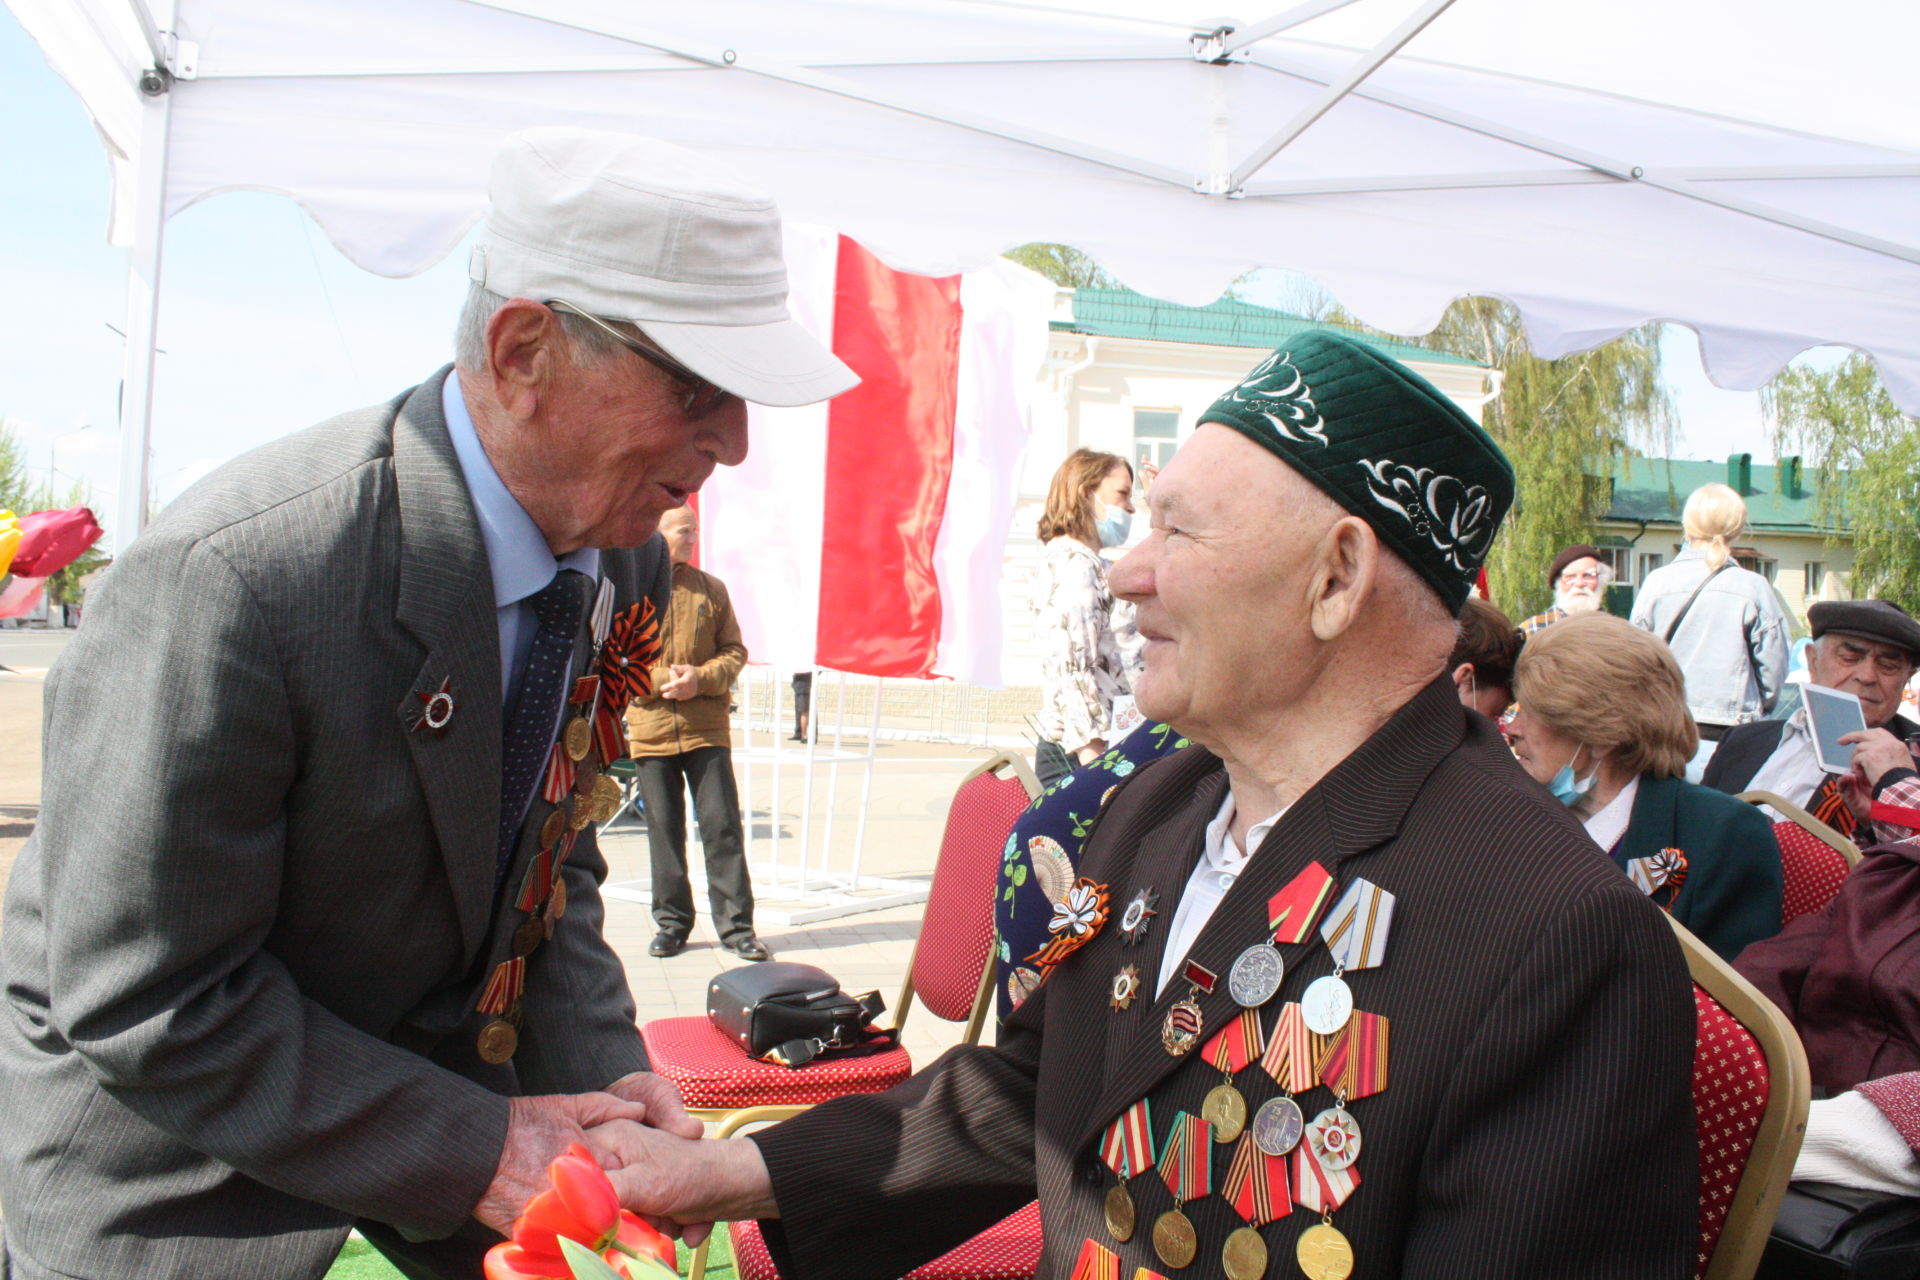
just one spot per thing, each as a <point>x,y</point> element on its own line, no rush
<point>511,1262</point>
<point>580,1205</point>
<point>638,1240</point>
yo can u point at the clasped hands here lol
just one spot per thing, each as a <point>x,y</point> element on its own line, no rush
<point>682,683</point>
<point>651,1149</point>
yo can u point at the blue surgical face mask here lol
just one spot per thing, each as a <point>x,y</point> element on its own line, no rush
<point>1565,787</point>
<point>1114,529</point>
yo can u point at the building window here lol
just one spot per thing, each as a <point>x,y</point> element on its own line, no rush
<point>1648,561</point>
<point>1748,558</point>
<point>1619,559</point>
<point>1155,433</point>
<point>1815,579</point>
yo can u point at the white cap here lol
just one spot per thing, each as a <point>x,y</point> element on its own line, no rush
<point>636,229</point>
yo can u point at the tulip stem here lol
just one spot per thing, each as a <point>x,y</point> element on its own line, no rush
<point>625,1248</point>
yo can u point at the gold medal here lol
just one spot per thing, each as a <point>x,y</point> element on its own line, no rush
<point>1126,985</point>
<point>1120,1213</point>
<point>1226,1111</point>
<point>529,935</point>
<point>1173,1240</point>
<point>606,798</point>
<point>579,738</point>
<point>584,776</point>
<point>497,1041</point>
<point>1324,1253</point>
<point>557,904</point>
<point>1245,1255</point>
<point>553,828</point>
<point>582,813</point>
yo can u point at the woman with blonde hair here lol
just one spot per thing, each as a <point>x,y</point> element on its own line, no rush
<point>1603,722</point>
<point>1724,623</point>
<point>1082,666</point>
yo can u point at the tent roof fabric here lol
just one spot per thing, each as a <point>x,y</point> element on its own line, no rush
<point>1655,489</point>
<point>1757,180</point>
<point>1228,322</point>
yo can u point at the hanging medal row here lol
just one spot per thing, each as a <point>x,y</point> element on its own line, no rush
<point>576,783</point>
<point>1277,1158</point>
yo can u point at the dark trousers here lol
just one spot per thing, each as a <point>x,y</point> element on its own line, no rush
<point>664,783</point>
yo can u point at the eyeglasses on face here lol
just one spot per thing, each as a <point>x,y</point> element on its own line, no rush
<point>701,398</point>
<point>1582,575</point>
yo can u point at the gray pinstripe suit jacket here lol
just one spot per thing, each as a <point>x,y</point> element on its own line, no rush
<point>251,878</point>
<point>1538,1118</point>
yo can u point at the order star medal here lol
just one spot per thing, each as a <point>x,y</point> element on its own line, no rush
<point>1181,1031</point>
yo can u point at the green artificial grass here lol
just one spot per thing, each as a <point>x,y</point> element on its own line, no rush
<point>361,1261</point>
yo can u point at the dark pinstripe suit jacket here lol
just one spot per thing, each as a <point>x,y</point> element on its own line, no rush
<point>251,878</point>
<point>1538,1118</point>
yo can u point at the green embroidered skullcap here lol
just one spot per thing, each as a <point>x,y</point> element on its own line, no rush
<point>1385,444</point>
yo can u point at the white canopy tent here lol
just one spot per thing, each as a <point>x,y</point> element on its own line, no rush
<point>1744,167</point>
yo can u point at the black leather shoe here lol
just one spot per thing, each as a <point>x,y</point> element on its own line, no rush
<point>748,948</point>
<point>664,945</point>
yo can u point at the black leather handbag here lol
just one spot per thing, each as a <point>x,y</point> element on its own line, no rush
<point>1828,1232</point>
<point>794,1013</point>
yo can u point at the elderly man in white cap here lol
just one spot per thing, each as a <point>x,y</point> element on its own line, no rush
<point>330,952</point>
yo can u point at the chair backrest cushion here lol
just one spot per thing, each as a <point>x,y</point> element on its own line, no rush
<point>1812,870</point>
<point>1730,1084</point>
<point>956,935</point>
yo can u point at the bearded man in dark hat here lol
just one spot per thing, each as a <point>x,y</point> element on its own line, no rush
<point>1868,648</point>
<point>1579,578</point>
<point>1342,936</point>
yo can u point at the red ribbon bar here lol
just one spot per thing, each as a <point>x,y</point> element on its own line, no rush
<point>1236,1044</point>
<point>1186,1162</point>
<point>1096,1262</point>
<point>1257,1185</point>
<point>561,771</point>
<point>1201,976</point>
<point>583,689</point>
<point>1353,1060</point>
<point>504,987</point>
<point>1292,912</point>
<point>539,882</point>
<point>1289,1055</point>
<point>610,733</point>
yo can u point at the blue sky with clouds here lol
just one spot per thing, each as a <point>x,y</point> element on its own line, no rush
<point>266,328</point>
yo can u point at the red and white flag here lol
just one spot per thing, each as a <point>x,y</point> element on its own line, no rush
<point>866,534</point>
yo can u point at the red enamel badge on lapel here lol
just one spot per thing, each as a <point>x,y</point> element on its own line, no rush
<point>437,713</point>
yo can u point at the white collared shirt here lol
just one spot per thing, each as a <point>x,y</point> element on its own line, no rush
<point>1220,865</point>
<point>1792,772</point>
<point>1610,823</point>
<point>518,556</point>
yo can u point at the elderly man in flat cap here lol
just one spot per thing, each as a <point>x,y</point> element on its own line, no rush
<point>328,949</point>
<point>1864,647</point>
<point>1340,988</point>
<point>1579,578</point>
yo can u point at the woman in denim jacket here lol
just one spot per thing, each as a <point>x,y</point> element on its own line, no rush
<point>1732,643</point>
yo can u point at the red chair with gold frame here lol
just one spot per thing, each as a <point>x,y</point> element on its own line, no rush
<point>1814,858</point>
<point>1750,1092</point>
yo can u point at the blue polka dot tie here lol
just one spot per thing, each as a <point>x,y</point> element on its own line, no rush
<point>531,720</point>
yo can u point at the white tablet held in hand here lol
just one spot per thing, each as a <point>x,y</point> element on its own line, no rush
<point>1831,714</point>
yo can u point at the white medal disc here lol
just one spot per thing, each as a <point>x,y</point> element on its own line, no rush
<point>1256,974</point>
<point>1334,1138</point>
<point>1326,1005</point>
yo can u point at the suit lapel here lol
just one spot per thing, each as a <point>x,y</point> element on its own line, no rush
<point>446,602</point>
<point>1357,806</point>
<point>1654,823</point>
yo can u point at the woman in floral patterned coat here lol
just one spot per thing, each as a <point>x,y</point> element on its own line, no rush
<point>1082,670</point>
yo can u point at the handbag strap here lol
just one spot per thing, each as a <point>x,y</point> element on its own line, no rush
<point>1680,616</point>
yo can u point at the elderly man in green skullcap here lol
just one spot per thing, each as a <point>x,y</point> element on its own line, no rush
<point>1338,991</point>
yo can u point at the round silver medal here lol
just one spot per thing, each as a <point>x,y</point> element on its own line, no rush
<point>1256,974</point>
<point>1277,1125</point>
<point>1334,1138</point>
<point>1326,1005</point>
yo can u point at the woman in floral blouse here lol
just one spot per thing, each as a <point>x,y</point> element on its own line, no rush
<point>1082,670</point>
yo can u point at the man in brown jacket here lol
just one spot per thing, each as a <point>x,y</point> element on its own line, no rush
<point>681,742</point>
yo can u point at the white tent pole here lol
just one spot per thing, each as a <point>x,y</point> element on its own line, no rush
<point>773,831</point>
<point>746,758</point>
<point>866,785</point>
<point>1416,23</point>
<point>143,312</point>
<point>1244,36</point>
<point>811,747</point>
<point>833,768</point>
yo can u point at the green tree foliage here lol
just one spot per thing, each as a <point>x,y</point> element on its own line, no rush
<point>1064,265</point>
<point>1868,455</point>
<point>1562,423</point>
<point>15,484</point>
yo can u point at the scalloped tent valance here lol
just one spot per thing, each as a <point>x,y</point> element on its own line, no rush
<point>1737,168</point>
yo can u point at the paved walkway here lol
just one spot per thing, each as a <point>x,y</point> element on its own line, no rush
<point>911,786</point>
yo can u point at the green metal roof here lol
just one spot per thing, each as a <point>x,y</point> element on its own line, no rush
<point>1784,497</point>
<point>1122,313</point>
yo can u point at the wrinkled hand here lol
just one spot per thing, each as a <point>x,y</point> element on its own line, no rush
<point>1876,752</point>
<point>539,1129</point>
<point>682,684</point>
<point>686,1186</point>
<point>661,1098</point>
